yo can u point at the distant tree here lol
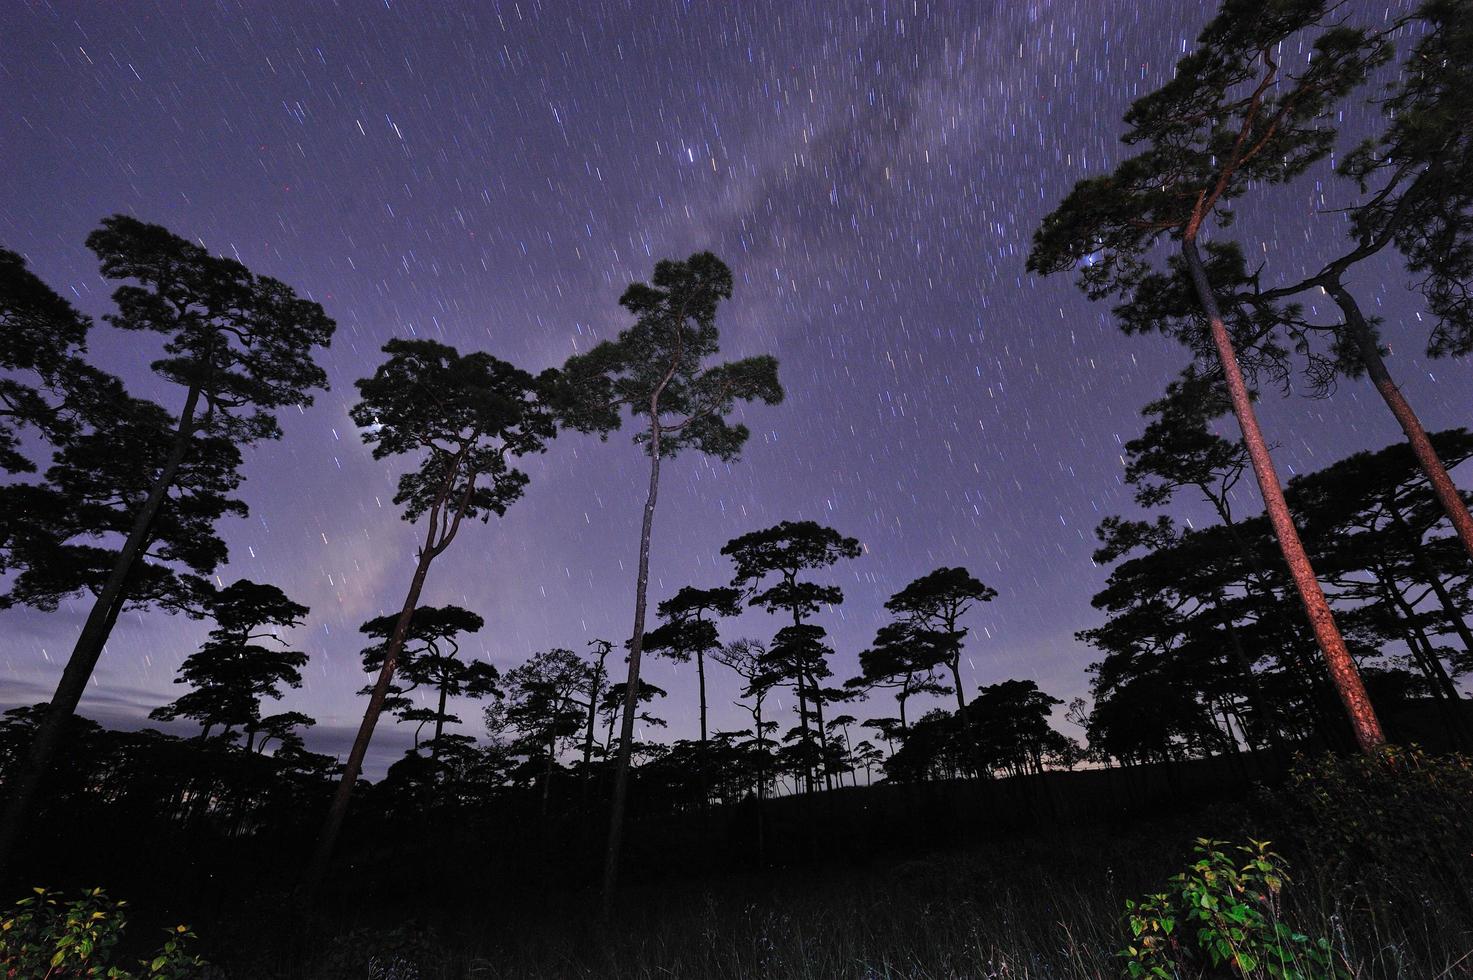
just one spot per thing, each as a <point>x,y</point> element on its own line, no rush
<point>935,747</point>
<point>597,677</point>
<point>542,706</point>
<point>612,708</point>
<point>779,555</point>
<point>687,634</point>
<point>867,756</point>
<point>748,660</point>
<point>799,655</point>
<point>281,728</point>
<point>1012,725</point>
<point>430,658</point>
<point>838,735</point>
<point>234,671</point>
<point>935,604</point>
<point>903,657</point>
<point>463,418</point>
<point>657,369</point>
<point>240,346</point>
<point>1227,121</point>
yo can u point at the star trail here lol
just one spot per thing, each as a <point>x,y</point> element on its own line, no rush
<point>492,175</point>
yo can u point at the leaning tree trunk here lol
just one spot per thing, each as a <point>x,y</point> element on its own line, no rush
<point>436,541</point>
<point>631,693</point>
<point>21,791</point>
<point>1422,448</point>
<point>328,836</point>
<point>1342,668</point>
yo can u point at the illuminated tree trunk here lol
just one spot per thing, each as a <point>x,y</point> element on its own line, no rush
<point>1370,354</point>
<point>1343,673</point>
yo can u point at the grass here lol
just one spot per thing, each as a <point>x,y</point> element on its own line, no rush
<point>1022,908</point>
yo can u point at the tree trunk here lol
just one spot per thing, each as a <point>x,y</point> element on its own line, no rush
<point>547,772</point>
<point>701,677</point>
<point>761,786</point>
<point>593,693</point>
<point>1427,458</point>
<point>439,726</point>
<point>328,836</point>
<point>21,790</point>
<point>809,783</point>
<point>631,694</point>
<point>823,737</point>
<point>1342,669</point>
<point>1255,689</point>
<point>974,749</point>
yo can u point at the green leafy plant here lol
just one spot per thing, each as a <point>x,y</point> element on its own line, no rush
<point>48,939</point>
<point>1221,918</point>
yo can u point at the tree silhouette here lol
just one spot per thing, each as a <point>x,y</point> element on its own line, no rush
<point>233,672</point>
<point>60,533</point>
<point>1228,120</point>
<point>748,659</point>
<point>1370,524</point>
<point>780,554</point>
<point>687,633</point>
<point>1423,165</point>
<point>657,369</point>
<point>903,657</point>
<point>799,655</point>
<point>1186,613</point>
<point>240,345</point>
<point>463,418</point>
<point>430,658</point>
<point>542,706</point>
<point>596,679</point>
<point>42,338</point>
<point>1012,726</point>
<point>935,604</point>
<point>1178,451</point>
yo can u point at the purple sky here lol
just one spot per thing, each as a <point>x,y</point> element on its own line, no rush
<point>492,175</point>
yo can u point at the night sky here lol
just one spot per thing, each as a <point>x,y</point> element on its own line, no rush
<point>492,175</point>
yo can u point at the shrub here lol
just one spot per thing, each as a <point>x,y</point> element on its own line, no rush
<point>1369,820</point>
<point>48,938</point>
<point>1223,917</point>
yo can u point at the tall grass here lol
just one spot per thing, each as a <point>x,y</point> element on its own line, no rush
<point>1020,909</point>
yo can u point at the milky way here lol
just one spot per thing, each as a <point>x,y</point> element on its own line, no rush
<point>493,176</point>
